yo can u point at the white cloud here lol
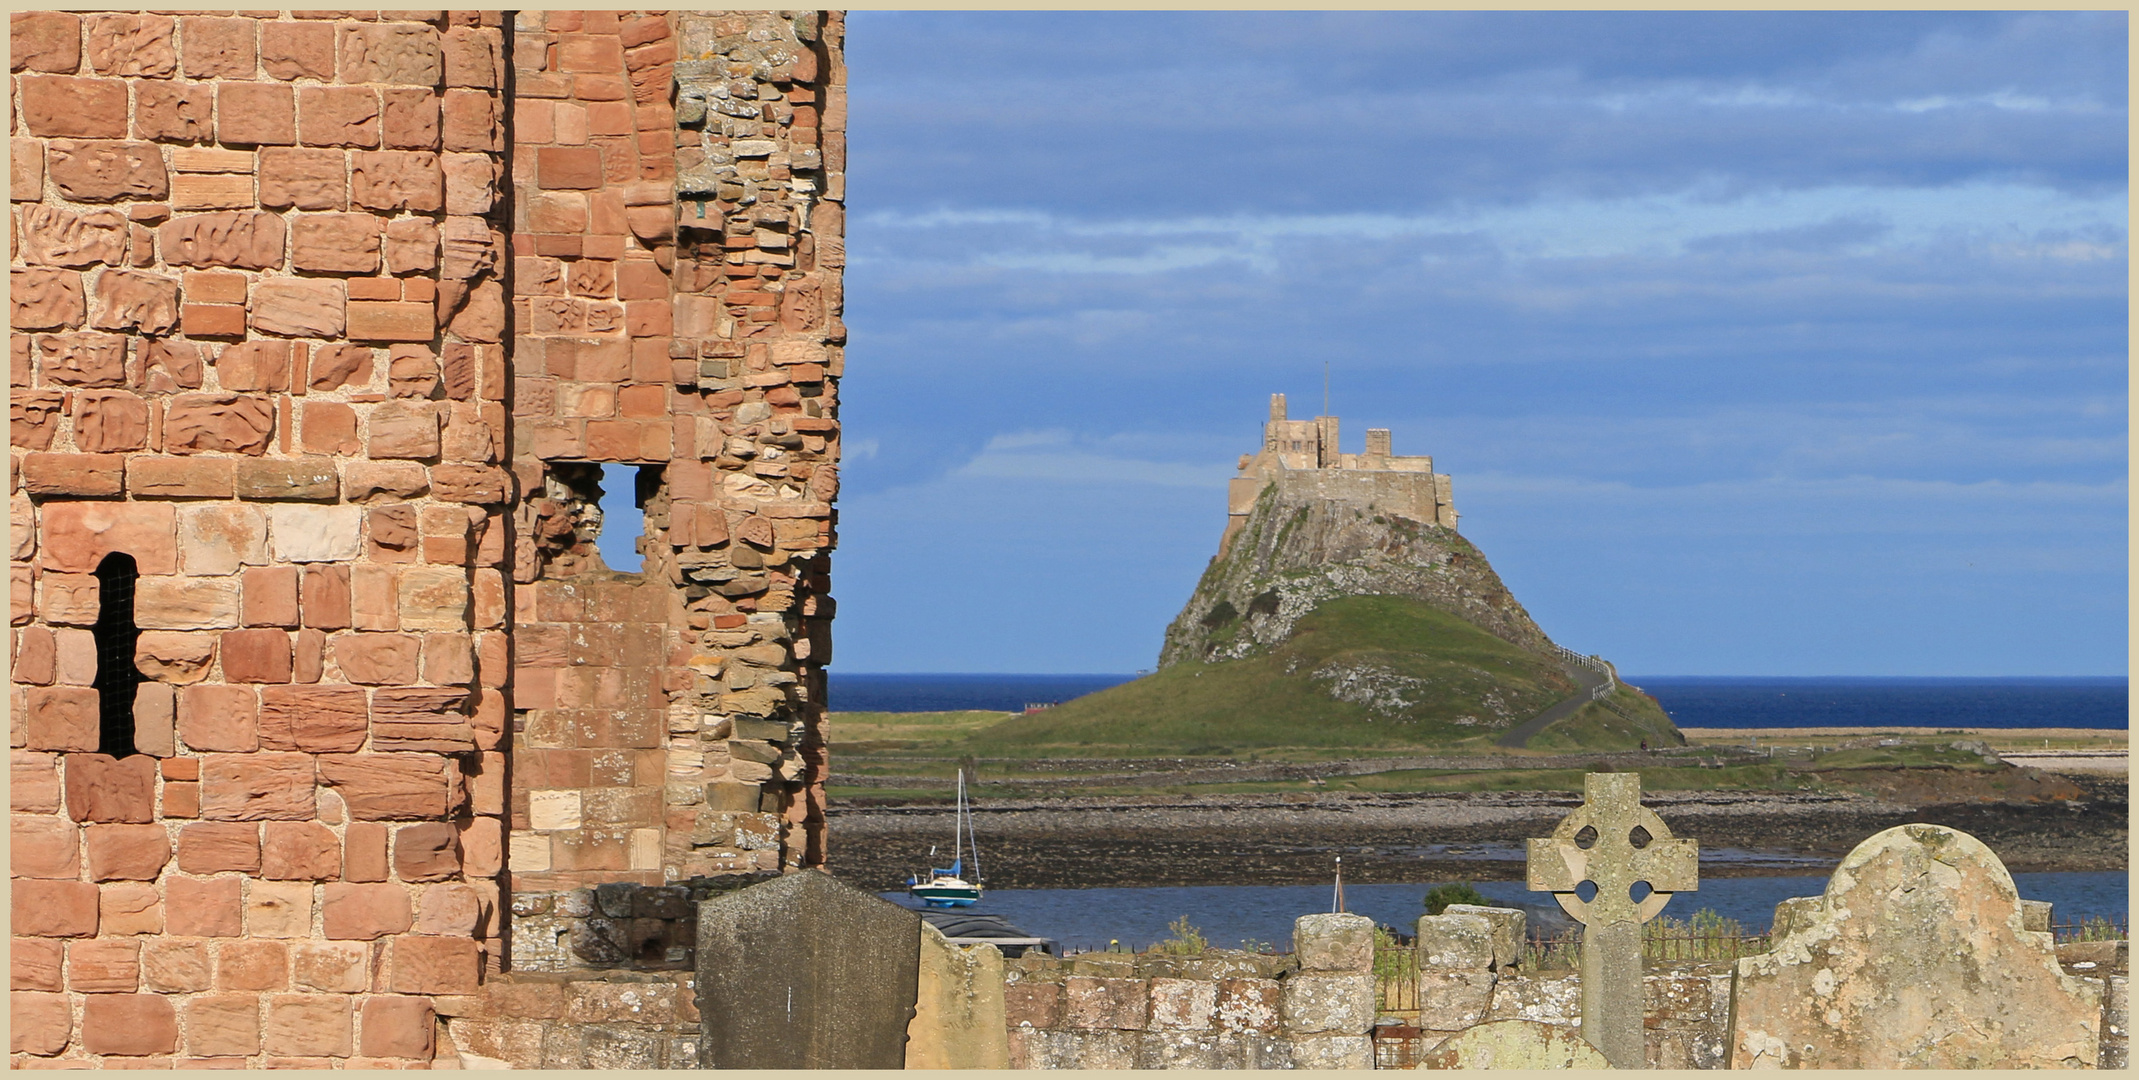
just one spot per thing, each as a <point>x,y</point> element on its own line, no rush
<point>1057,456</point>
<point>1999,219</point>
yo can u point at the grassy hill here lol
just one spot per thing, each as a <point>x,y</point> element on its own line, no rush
<point>1356,673</point>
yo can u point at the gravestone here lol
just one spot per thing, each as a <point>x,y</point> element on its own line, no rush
<point>1616,844</point>
<point>805,973</point>
<point>1917,955</point>
<point>1514,1044</point>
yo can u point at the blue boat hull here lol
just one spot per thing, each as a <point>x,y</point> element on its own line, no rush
<point>946,896</point>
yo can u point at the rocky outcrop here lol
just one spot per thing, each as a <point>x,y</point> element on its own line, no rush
<point>1298,550</point>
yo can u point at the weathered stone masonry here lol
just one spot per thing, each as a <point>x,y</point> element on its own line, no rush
<point>324,320</point>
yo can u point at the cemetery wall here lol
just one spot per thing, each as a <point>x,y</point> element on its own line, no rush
<point>324,321</point>
<point>1313,1008</point>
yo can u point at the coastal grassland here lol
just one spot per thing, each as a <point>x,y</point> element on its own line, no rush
<point>868,732</point>
<point>1639,719</point>
<point>1357,673</point>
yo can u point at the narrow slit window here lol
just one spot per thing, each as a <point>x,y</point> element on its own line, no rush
<point>115,632</point>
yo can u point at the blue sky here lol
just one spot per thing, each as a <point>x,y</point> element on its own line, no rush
<point>1756,343</point>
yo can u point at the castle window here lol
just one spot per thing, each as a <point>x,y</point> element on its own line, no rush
<point>115,633</point>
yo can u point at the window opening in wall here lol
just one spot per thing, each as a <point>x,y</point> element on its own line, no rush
<point>115,634</point>
<point>624,490</point>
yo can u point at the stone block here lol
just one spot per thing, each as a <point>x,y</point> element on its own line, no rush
<point>64,718</point>
<point>435,965</point>
<point>253,964</point>
<point>104,966</point>
<point>314,534</point>
<point>83,359</point>
<point>1455,941</point>
<point>338,116</point>
<point>167,602</point>
<point>40,908</point>
<point>134,301</point>
<point>53,236</point>
<point>129,1025</point>
<point>1315,1004</point>
<point>64,107</point>
<point>404,54</point>
<point>45,299</point>
<point>307,179</point>
<point>182,478</point>
<point>44,847</point>
<point>398,1027</point>
<point>218,423</point>
<point>177,110</point>
<point>79,475</point>
<point>291,50</point>
<point>46,41</point>
<point>104,788</point>
<point>257,787</point>
<point>254,365</point>
<point>126,852</point>
<point>299,307</point>
<point>223,1024</point>
<point>392,787</point>
<point>109,421</point>
<point>255,114</point>
<point>241,239</point>
<point>35,964</point>
<point>215,540</point>
<point>308,1024</point>
<point>38,1023</point>
<point>278,909</point>
<point>331,966</point>
<point>213,847</point>
<point>101,171</point>
<point>353,912</point>
<point>219,719</point>
<point>377,659</point>
<point>1452,1000</point>
<point>397,180</point>
<point>175,967</point>
<point>204,908</point>
<point>300,851</point>
<point>379,320</point>
<point>314,719</point>
<point>219,48</point>
<point>77,535</point>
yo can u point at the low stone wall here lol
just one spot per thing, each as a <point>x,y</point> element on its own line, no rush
<point>604,1020</point>
<point>1313,1009</point>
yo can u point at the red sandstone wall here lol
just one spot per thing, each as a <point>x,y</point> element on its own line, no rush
<point>697,335</point>
<point>258,347</point>
<point>261,323</point>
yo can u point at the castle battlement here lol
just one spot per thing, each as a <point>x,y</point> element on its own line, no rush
<point>1303,456</point>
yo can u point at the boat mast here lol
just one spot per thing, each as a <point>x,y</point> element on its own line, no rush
<point>971,836</point>
<point>958,815</point>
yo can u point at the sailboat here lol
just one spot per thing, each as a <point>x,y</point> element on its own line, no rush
<point>949,888</point>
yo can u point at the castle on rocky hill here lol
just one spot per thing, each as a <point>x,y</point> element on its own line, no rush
<point>1301,457</point>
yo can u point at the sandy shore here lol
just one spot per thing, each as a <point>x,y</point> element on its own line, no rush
<point>1290,838</point>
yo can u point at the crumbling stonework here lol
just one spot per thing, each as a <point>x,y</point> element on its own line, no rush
<point>322,351</point>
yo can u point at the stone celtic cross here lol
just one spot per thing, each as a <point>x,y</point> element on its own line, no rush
<point>1616,845</point>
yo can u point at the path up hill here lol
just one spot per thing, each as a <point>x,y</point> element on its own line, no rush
<point>1327,625</point>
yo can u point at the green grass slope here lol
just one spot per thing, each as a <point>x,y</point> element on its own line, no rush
<point>1357,673</point>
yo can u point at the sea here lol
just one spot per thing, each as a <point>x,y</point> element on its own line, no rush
<point>1228,915</point>
<point>1693,701</point>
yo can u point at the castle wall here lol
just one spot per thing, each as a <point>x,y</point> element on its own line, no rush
<point>302,330</point>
